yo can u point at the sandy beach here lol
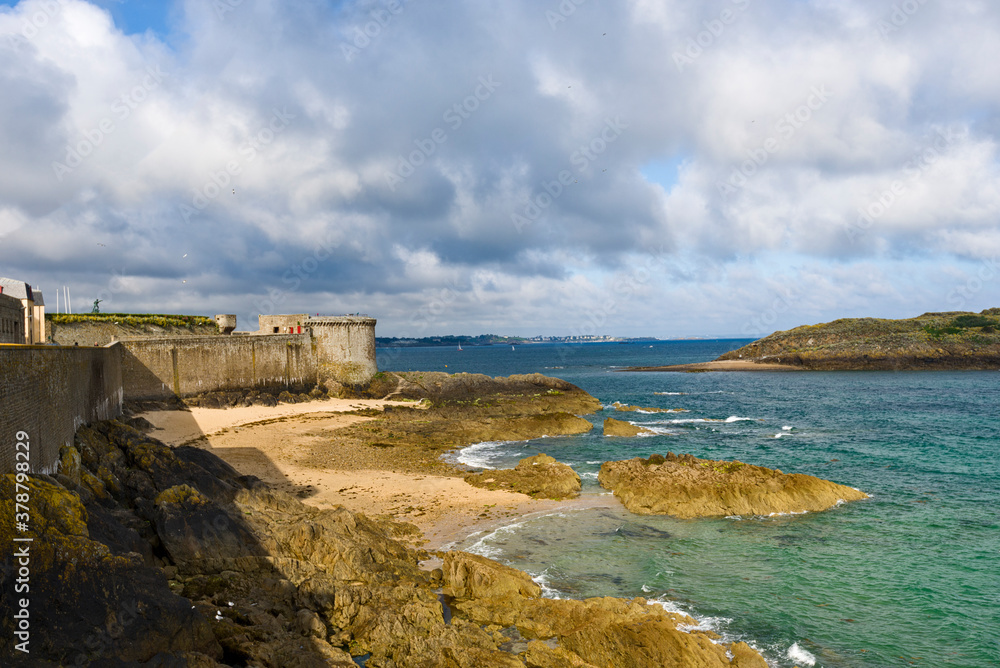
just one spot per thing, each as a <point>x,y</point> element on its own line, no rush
<point>293,447</point>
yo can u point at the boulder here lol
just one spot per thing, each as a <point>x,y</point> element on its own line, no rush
<point>685,486</point>
<point>613,427</point>
<point>540,476</point>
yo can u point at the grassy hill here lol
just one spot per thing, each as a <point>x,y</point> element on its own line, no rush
<point>954,340</point>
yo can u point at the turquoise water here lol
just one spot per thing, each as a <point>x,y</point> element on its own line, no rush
<point>910,577</point>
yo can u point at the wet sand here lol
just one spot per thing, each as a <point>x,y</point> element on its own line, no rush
<point>282,445</point>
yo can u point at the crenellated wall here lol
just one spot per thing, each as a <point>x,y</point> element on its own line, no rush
<point>48,392</point>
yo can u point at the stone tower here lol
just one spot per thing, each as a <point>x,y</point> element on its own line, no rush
<point>345,349</point>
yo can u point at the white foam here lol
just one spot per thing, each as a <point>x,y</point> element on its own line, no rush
<point>589,475</point>
<point>670,394</point>
<point>799,655</point>
<point>542,581</point>
<point>478,455</point>
<point>600,461</point>
<point>481,548</point>
<point>787,428</point>
<point>734,418</point>
<point>646,589</point>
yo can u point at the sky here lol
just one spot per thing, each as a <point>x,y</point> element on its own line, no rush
<point>665,168</point>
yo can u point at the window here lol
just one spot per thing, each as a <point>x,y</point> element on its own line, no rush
<point>275,330</point>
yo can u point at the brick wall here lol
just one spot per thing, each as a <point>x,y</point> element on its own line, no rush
<point>185,366</point>
<point>49,392</point>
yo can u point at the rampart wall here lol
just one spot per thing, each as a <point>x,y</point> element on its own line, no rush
<point>48,392</point>
<point>184,366</point>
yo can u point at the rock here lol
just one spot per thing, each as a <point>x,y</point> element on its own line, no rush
<point>310,624</point>
<point>69,463</point>
<point>88,603</point>
<point>540,476</point>
<point>688,487</point>
<point>613,427</point>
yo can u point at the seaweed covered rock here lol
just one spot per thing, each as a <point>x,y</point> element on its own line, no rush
<point>183,561</point>
<point>540,476</point>
<point>86,601</point>
<point>685,486</point>
<point>613,427</point>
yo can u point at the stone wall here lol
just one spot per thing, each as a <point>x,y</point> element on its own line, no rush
<point>345,349</point>
<point>48,392</point>
<point>185,366</point>
<point>11,320</point>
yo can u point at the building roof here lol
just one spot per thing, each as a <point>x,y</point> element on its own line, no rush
<point>16,289</point>
<point>39,299</point>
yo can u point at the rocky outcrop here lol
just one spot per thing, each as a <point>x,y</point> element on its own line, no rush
<point>613,427</point>
<point>684,486</point>
<point>955,340</point>
<point>593,633</point>
<point>462,409</point>
<point>541,477</point>
<point>147,555</point>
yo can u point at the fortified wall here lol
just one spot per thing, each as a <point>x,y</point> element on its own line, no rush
<point>48,392</point>
<point>185,366</point>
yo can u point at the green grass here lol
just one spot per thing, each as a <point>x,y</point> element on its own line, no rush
<point>132,319</point>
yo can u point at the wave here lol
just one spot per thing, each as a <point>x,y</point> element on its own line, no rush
<point>670,394</point>
<point>478,455</point>
<point>799,655</point>
<point>588,475</point>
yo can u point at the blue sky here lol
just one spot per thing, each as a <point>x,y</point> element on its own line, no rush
<point>642,167</point>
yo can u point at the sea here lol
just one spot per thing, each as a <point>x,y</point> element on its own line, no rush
<point>909,577</point>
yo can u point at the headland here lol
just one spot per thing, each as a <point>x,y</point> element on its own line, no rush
<point>932,341</point>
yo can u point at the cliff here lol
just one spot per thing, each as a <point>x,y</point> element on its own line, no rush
<point>955,340</point>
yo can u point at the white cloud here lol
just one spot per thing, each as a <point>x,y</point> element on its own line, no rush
<point>809,111</point>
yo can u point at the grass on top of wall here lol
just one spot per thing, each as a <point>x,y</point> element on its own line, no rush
<point>131,319</point>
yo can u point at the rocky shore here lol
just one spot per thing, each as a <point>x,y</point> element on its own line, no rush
<point>686,487</point>
<point>148,555</point>
<point>540,476</point>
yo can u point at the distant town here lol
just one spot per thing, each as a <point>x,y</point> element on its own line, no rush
<point>495,340</point>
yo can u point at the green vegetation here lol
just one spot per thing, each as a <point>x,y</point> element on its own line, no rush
<point>131,319</point>
<point>951,340</point>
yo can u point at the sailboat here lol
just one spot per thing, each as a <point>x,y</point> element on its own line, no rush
<point>459,347</point>
<point>512,347</point>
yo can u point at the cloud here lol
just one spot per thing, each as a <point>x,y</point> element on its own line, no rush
<point>388,156</point>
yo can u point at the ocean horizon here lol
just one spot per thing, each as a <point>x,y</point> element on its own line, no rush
<point>905,578</point>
